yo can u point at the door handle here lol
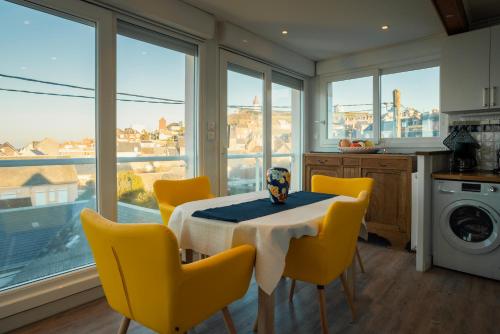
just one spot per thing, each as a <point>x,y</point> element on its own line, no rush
<point>485,97</point>
<point>492,96</point>
<point>228,134</point>
<point>446,191</point>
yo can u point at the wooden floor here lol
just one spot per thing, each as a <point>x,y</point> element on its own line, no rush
<point>391,298</point>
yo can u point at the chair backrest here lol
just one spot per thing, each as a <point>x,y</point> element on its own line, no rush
<point>341,227</point>
<point>341,186</point>
<point>177,192</point>
<point>138,265</point>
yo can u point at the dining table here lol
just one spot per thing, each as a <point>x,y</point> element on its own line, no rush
<point>269,234</point>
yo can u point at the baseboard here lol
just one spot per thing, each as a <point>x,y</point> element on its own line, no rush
<point>44,311</point>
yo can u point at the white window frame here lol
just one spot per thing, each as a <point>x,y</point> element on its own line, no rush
<point>16,300</point>
<point>226,57</point>
<point>377,72</point>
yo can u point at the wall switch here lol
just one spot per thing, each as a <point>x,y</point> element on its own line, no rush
<point>211,126</point>
<point>210,135</point>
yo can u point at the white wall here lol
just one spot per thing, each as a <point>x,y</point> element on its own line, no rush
<point>234,37</point>
<point>173,13</point>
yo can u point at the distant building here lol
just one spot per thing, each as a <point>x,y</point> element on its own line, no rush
<point>40,185</point>
<point>7,150</point>
<point>47,146</point>
<point>162,124</point>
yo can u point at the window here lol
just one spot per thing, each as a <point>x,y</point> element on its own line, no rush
<point>52,196</point>
<point>155,109</point>
<point>286,120</point>
<point>62,195</point>
<point>391,106</point>
<point>410,104</point>
<point>47,98</point>
<point>245,124</point>
<point>261,119</point>
<point>350,108</point>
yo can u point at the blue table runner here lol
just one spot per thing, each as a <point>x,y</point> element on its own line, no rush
<point>236,213</point>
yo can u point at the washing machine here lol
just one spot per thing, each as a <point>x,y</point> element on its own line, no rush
<point>466,224</point>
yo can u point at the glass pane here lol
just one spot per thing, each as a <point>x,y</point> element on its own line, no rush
<point>410,104</point>
<point>245,132</point>
<point>285,116</point>
<point>350,108</point>
<point>471,224</point>
<point>47,139</point>
<point>155,136</point>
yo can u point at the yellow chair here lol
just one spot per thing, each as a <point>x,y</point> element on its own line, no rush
<point>143,278</point>
<point>171,193</point>
<point>343,186</point>
<point>321,259</point>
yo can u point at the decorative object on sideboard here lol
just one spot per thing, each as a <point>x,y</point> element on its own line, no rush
<point>278,184</point>
<point>464,150</point>
<point>357,146</point>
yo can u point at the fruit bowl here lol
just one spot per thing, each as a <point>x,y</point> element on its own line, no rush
<point>371,149</point>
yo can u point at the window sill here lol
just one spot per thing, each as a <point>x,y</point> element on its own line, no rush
<point>29,296</point>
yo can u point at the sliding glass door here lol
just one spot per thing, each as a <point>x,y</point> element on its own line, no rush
<point>244,129</point>
<point>155,117</point>
<point>260,123</point>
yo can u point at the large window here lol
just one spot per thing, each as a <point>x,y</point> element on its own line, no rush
<point>261,110</point>
<point>410,104</point>
<point>155,108</point>
<point>47,142</point>
<point>285,129</point>
<point>350,108</point>
<point>244,129</point>
<point>391,106</point>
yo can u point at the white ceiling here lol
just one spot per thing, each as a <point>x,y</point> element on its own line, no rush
<point>320,29</point>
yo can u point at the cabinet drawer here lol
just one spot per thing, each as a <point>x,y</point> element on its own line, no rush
<point>385,163</point>
<point>317,160</point>
<point>351,161</point>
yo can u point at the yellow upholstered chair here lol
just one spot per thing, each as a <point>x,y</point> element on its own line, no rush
<point>343,186</point>
<point>171,193</point>
<point>144,280</point>
<point>321,259</point>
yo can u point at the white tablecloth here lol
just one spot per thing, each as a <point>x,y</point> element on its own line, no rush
<point>270,234</point>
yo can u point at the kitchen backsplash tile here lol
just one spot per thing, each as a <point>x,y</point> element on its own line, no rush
<point>486,130</point>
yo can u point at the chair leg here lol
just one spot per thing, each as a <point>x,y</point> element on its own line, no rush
<point>292,290</point>
<point>322,309</point>
<point>124,325</point>
<point>360,262</point>
<point>349,297</point>
<point>229,321</point>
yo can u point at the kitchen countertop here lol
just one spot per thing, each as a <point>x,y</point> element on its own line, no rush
<point>477,176</point>
<point>432,152</point>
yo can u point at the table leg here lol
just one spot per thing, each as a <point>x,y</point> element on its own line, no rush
<point>266,313</point>
<point>189,255</point>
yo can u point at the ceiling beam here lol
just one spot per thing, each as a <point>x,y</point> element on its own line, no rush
<point>452,14</point>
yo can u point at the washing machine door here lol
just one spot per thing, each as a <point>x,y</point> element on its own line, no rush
<point>471,226</point>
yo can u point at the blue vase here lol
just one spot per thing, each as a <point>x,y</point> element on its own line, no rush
<point>278,184</point>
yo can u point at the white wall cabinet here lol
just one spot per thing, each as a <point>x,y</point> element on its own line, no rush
<point>495,68</point>
<point>465,72</point>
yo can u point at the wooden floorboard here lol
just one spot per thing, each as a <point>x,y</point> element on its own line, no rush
<point>391,297</point>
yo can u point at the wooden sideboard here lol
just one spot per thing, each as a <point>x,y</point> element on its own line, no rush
<point>389,213</point>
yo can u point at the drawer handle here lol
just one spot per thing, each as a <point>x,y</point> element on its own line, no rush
<point>381,164</point>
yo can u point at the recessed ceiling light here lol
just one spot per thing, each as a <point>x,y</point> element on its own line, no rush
<point>26,22</point>
<point>384,27</point>
<point>284,32</point>
<point>244,41</point>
